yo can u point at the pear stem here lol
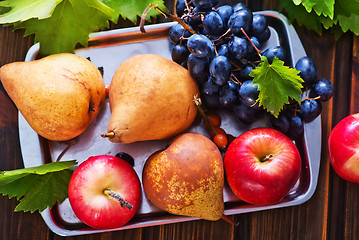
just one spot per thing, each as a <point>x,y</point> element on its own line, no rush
<point>114,195</point>
<point>108,135</point>
<point>230,220</point>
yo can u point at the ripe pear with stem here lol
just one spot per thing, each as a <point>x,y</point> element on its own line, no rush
<point>151,98</point>
<point>58,95</point>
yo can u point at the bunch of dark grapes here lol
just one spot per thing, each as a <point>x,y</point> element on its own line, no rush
<point>220,49</point>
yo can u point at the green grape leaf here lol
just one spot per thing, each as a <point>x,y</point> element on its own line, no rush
<point>349,23</point>
<point>71,22</point>
<point>344,18</point>
<point>131,10</point>
<point>299,14</point>
<point>325,7</point>
<point>276,85</point>
<point>347,7</point>
<point>22,10</point>
<point>37,187</point>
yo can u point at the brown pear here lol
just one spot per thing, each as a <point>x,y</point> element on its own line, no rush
<point>151,98</point>
<point>186,178</point>
<point>58,95</point>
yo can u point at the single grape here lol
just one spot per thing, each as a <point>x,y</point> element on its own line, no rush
<point>228,94</point>
<point>263,36</point>
<point>296,127</point>
<point>195,19</point>
<point>308,71</point>
<point>198,67</point>
<point>323,89</point>
<point>239,6</point>
<point>213,23</point>
<point>211,101</point>
<point>245,114</point>
<point>200,46</point>
<point>280,123</point>
<point>180,7</point>
<point>310,109</point>
<point>238,47</point>
<point>244,73</point>
<point>223,50</point>
<point>252,54</point>
<point>205,4</point>
<point>225,11</point>
<point>256,43</point>
<point>220,69</point>
<point>240,19</point>
<point>176,32</point>
<point>126,157</point>
<point>209,87</point>
<point>179,53</point>
<point>276,51</point>
<point>259,24</point>
<point>248,93</point>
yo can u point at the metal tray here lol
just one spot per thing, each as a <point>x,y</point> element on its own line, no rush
<point>109,49</point>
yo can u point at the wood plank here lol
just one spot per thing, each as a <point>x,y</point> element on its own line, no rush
<point>198,229</point>
<point>17,225</point>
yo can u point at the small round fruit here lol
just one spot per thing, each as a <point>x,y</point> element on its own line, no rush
<point>214,119</point>
<point>94,187</point>
<point>217,130</point>
<point>220,140</point>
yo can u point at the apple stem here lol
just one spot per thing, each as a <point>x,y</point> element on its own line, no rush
<point>114,195</point>
<point>230,220</point>
<point>267,158</point>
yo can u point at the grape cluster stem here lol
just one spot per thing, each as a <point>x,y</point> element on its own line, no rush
<point>198,102</point>
<point>167,15</point>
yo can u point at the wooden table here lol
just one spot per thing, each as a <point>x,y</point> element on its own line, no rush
<point>332,212</point>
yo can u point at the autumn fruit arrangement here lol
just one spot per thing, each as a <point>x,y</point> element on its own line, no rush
<point>216,66</point>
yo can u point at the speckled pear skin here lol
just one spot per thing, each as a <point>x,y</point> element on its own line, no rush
<point>151,98</point>
<point>58,95</point>
<point>186,178</point>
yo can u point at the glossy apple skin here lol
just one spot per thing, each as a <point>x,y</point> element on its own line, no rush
<point>86,191</point>
<point>257,182</point>
<point>343,145</point>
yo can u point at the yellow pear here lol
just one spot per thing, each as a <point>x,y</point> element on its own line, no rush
<point>186,178</point>
<point>151,98</point>
<point>58,95</point>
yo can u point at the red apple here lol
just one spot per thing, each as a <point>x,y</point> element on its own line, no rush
<point>343,144</point>
<point>104,192</point>
<point>262,165</point>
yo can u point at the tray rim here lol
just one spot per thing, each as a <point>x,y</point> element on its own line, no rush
<point>310,139</point>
